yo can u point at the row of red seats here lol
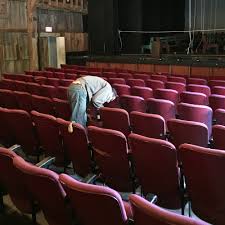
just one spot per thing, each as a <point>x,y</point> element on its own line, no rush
<point>195,96</point>
<point>153,81</point>
<point>28,102</point>
<point>119,70</point>
<point>35,88</point>
<point>40,75</point>
<point>214,81</point>
<point>110,148</point>
<point>55,141</point>
<point>33,188</point>
<point>166,108</point>
<point>153,84</point>
<point>194,125</point>
<point>41,80</point>
<point>195,121</point>
<point>179,87</point>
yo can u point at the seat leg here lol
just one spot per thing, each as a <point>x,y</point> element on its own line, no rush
<point>38,158</point>
<point>182,192</point>
<point>34,217</point>
<point>189,209</point>
<point>1,203</point>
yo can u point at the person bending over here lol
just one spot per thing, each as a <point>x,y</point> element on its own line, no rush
<point>86,92</point>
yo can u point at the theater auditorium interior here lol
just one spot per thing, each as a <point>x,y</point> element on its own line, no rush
<point>152,156</point>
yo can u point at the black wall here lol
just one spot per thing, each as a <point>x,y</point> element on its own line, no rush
<point>130,18</point>
<point>161,15</point>
<point>102,27</point>
<point>105,18</point>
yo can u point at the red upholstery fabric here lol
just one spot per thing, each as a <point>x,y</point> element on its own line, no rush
<point>132,103</point>
<point>117,81</point>
<point>203,170</point>
<point>115,119</point>
<point>76,147</point>
<point>45,188</point>
<point>194,98</point>
<point>198,81</point>
<point>135,82</point>
<point>190,132</point>
<point>122,89</point>
<point>164,108</point>
<point>144,92</point>
<point>8,99</point>
<point>197,113</point>
<point>217,102</point>
<point>62,108</point>
<point>146,213</point>
<point>48,133</point>
<point>156,169</point>
<point>167,94</point>
<point>12,182</point>
<point>199,88</point>
<point>179,87</point>
<point>21,126</point>
<point>154,84</point>
<point>149,125</point>
<point>43,104</point>
<point>218,90</point>
<point>111,155</point>
<point>98,205</point>
<point>218,137</point>
<point>162,78</point>
<point>176,79</point>
<point>220,116</point>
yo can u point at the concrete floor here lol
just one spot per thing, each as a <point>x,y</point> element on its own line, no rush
<point>12,216</point>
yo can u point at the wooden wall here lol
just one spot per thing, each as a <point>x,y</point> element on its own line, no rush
<point>14,51</point>
<point>76,42</point>
<point>60,20</point>
<point>13,36</point>
<point>17,36</point>
<point>76,5</point>
<point>66,24</point>
<point>13,16</point>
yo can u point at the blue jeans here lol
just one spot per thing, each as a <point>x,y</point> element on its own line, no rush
<point>77,96</point>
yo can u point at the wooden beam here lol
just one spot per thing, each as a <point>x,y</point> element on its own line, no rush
<point>30,8</point>
<point>19,30</point>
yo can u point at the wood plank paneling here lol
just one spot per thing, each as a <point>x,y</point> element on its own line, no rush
<point>218,71</point>
<point>201,71</point>
<point>14,51</point>
<point>76,42</point>
<point>162,68</point>
<point>16,17</point>
<point>132,67</point>
<point>145,68</point>
<point>180,70</point>
<point>60,21</point>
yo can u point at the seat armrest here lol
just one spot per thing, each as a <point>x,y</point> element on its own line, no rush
<point>46,162</point>
<point>15,148</point>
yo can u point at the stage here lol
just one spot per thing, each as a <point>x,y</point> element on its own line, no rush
<point>165,59</point>
<point>180,64</point>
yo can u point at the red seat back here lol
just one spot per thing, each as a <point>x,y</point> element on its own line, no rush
<point>149,125</point>
<point>111,155</point>
<point>162,181</point>
<point>203,170</point>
